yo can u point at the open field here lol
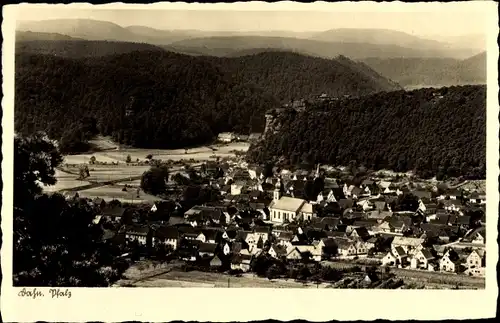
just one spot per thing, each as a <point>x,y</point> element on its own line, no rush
<point>105,173</point>
<point>120,155</point>
<point>147,274</point>
<point>112,192</point>
<point>110,173</point>
<point>211,280</point>
<point>64,181</point>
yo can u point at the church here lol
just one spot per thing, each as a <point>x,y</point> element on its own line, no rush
<point>288,209</point>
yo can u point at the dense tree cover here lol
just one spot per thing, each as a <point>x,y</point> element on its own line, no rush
<point>55,241</point>
<point>35,160</point>
<point>75,48</point>
<point>431,71</point>
<point>154,181</point>
<point>288,76</point>
<point>431,131</point>
<point>177,101</point>
<point>27,36</point>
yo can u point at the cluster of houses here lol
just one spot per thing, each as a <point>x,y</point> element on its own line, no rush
<point>408,225</point>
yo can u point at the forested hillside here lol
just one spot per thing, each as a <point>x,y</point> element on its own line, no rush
<point>29,36</point>
<point>79,48</point>
<point>288,76</point>
<point>162,99</point>
<point>176,101</point>
<point>432,131</point>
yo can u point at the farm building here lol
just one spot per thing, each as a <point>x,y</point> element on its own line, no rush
<point>226,137</point>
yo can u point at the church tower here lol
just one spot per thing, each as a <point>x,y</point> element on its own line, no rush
<point>317,172</point>
<point>277,190</point>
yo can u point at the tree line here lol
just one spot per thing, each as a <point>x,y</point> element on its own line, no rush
<point>438,132</point>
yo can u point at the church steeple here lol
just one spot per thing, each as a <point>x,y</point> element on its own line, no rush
<point>277,190</point>
<point>317,172</point>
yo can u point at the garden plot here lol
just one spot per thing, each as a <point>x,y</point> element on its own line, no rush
<point>204,279</point>
<point>112,192</point>
<point>104,173</point>
<point>64,181</point>
<point>85,158</point>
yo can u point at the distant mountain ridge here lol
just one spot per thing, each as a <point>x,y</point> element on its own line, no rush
<point>30,36</point>
<point>325,49</point>
<point>353,43</point>
<point>390,37</point>
<point>81,48</point>
<point>412,72</point>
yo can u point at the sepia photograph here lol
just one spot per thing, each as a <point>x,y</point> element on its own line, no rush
<point>262,149</point>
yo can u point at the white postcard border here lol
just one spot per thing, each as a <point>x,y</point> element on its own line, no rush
<point>245,304</point>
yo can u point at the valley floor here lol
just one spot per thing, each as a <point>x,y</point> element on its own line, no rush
<point>110,173</point>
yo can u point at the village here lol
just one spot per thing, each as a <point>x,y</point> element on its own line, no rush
<point>274,222</point>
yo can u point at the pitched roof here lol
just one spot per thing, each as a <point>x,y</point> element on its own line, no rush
<point>345,203</point>
<point>289,204</point>
<point>367,182</point>
<point>285,236</point>
<point>427,254</point>
<point>167,232</point>
<point>362,232</point>
<point>380,205</point>
<point>138,229</point>
<point>280,250</point>
<point>422,194</point>
<point>451,202</point>
<point>407,241</point>
<point>207,247</point>
<point>343,243</point>
<point>307,208</point>
<point>463,220</point>
<point>400,252</point>
<point>356,191</point>
<point>113,211</point>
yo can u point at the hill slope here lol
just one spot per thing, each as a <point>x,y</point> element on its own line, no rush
<point>30,36</point>
<point>431,131</point>
<point>179,100</point>
<point>283,75</point>
<point>432,71</point>
<point>287,76</point>
<point>80,48</point>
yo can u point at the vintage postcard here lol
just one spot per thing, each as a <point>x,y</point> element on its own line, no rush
<point>249,161</point>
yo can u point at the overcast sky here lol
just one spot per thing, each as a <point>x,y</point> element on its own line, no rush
<point>442,21</point>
